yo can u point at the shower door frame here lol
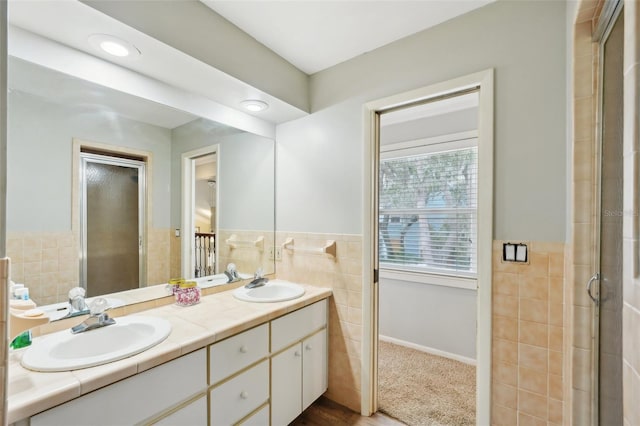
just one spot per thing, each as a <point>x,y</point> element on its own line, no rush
<point>606,22</point>
<point>113,160</point>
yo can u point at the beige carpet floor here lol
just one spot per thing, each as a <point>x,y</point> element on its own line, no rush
<point>423,389</point>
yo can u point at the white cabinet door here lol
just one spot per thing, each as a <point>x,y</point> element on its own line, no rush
<point>194,414</point>
<point>314,367</point>
<point>286,386</point>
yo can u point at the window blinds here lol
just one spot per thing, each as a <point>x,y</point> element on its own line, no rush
<point>428,211</point>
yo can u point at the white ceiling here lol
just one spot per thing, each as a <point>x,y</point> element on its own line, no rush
<point>315,35</point>
<point>312,35</point>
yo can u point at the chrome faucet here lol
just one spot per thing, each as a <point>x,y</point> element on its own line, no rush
<point>232,273</point>
<point>98,318</point>
<point>258,281</point>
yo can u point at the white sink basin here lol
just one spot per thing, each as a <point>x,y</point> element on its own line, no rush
<point>273,291</point>
<point>64,351</point>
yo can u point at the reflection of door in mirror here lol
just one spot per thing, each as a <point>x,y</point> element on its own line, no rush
<point>204,214</point>
<point>112,200</point>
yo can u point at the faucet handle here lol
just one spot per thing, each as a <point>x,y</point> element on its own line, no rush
<point>98,306</point>
<point>76,298</point>
<point>259,273</point>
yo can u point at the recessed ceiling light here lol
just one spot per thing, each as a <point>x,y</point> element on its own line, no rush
<point>114,46</point>
<point>254,105</point>
<point>116,49</point>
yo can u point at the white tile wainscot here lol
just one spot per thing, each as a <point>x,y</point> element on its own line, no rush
<point>235,338</point>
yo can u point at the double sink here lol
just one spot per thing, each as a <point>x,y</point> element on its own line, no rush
<point>130,335</point>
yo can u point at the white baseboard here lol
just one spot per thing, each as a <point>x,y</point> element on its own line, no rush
<point>428,350</point>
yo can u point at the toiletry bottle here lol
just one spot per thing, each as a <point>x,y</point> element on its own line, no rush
<point>12,289</point>
<point>24,339</point>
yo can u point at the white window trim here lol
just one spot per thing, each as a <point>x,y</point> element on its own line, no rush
<point>444,280</point>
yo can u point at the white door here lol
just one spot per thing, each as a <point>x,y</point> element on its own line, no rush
<point>314,368</point>
<point>286,386</point>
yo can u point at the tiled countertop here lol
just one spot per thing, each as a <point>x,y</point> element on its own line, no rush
<point>216,317</point>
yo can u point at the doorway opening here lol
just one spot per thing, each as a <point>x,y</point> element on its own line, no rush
<point>427,255</point>
<point>430,189</point>
<point>200,189</point>
<point>205,214</point>
<point>112,222</point>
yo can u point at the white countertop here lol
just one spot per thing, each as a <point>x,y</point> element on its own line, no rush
<point>216,317</point>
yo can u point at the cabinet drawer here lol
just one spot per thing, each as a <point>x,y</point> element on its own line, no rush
<point>260,418</point>
<point>296,325</point>
<point>235,353</point>
<point>233,400</point>
<point>194,414</point>
<point>153,391</point>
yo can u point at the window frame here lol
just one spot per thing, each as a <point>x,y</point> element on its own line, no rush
<point>433,276</point>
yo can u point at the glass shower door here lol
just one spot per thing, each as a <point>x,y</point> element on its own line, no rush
<point>112,217</point>
<point>609,333</point>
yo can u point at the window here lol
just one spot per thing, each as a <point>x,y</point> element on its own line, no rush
<point>428,205</point>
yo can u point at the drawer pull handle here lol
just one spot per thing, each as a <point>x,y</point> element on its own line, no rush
<point>308,347</point>
<point>244,395</point>
<point>297,353</point>
<point>243,349</point>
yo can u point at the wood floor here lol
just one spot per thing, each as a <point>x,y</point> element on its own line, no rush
<point>325,412</point>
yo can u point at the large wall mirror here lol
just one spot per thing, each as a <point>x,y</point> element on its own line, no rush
<point>97,180</point>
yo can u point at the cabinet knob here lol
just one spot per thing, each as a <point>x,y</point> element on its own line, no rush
<point>308,347</point>
<point>243,349</point>
<point>244,395</point>
<point>297,353</point>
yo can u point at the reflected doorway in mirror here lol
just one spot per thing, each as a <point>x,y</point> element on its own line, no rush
<point>112,207</point>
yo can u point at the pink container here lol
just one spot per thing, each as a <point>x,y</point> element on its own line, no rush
<point>187,294</point>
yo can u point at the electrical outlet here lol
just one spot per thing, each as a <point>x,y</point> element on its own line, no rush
<point>278,253</point>
<point>271,249</point>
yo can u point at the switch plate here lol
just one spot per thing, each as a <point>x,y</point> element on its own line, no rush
<point>509,252</point>
<point>515,252</point>
<point>278,253</point>
<point>271,250</point>
<point>521,253</point>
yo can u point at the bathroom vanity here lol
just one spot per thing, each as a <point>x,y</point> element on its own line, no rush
<point>225,362</point>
